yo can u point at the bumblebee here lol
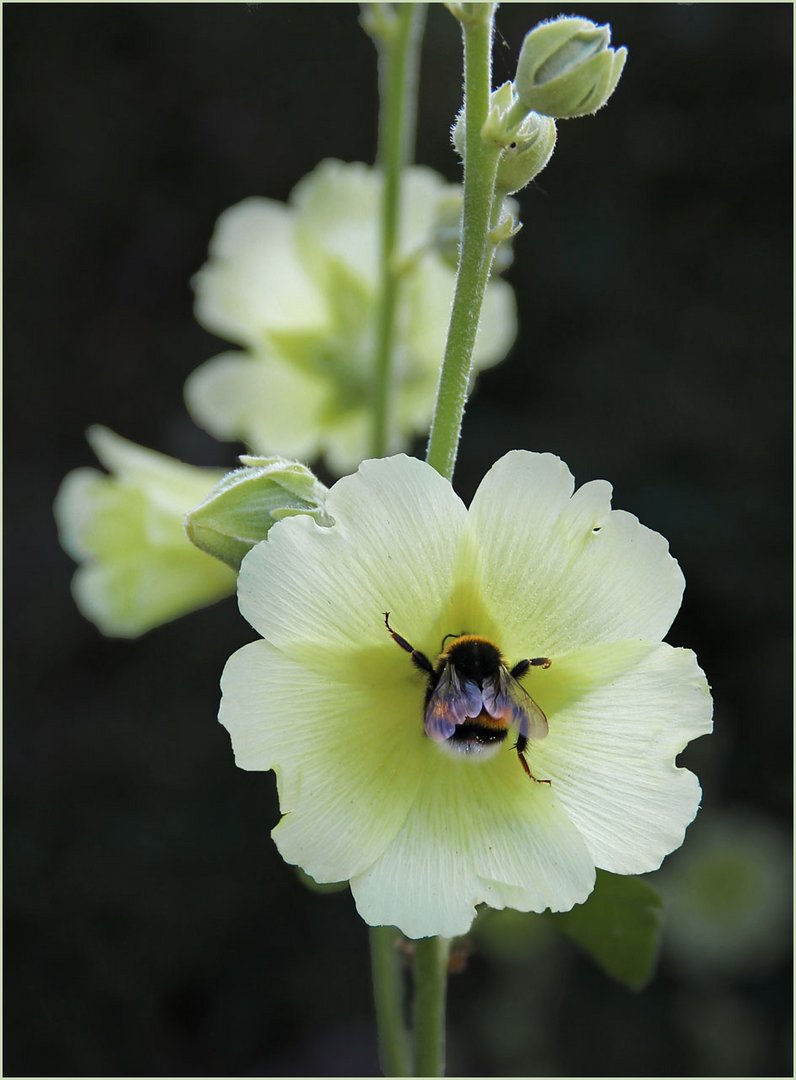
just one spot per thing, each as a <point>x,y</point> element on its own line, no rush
<point>473,698</point>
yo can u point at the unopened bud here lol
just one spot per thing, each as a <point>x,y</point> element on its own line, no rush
<point>527,139</point>
<point>240,510</point>
<point>567,68</point>
<point>528,154</point>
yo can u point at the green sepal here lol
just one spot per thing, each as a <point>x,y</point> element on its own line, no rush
<point>619,926</point>
<point>240,510</point>
<point>567,68</point>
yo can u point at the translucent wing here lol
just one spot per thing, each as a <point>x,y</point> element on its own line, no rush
<point>451,702</point>
<point>505,697</point>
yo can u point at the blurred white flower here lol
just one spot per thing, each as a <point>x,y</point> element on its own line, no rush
<point>125,528</point>
<point>296,286</point>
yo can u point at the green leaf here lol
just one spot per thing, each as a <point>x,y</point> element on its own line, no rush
<point>619,926</point>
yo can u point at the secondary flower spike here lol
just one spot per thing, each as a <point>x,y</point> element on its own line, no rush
<point>358,713</point>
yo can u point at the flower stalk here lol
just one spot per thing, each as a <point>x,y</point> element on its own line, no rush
<point>399,53</point>
<point>386,970</point>
<point>475,259</point>
<point>398,41</point>
<point>431,981</point>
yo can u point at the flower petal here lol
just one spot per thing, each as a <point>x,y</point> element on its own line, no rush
<point>128,526</point>
<point>338,209</point>
<point>87,509</point>
<point>626,711</point>
<point>347,440</point>
<point>271,406</point>
<point>342,754</point>
<point>476,833</point>
<point>254,281</point>
<point>498,326</point>
<point>429,294</point>
<point>563,571</point>
<point>323,591</point>
<point>127,595</point>
<point>170,485</point>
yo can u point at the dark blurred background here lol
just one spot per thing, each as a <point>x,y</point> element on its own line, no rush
<point>151,928</point>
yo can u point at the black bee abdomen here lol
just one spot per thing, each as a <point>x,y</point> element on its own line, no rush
<point>474,733</point>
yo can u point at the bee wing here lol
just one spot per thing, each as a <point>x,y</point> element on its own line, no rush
<point>451,702</point>
<point>504,696</point>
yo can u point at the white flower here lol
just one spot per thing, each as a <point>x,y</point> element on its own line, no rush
<point>331,703</point>
<point>137,567</point>
<point>296,285</point>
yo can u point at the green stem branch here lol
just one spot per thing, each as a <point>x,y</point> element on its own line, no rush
<point>431,982</point>
<point>387,971</point>
<point>399,53</point>
<point>475,259</point>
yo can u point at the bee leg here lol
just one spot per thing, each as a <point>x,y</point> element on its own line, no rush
<point>520,668</point>
<point>520,746</point>
<point>420,660</point>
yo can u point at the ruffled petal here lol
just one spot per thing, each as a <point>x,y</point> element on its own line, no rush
<point>343,757</point>
<point>619,714</point>
<point>271,406</point>
<point>254,280</point>
<point>561,572</point>
<point>476,833</point>
<point>321,592</point>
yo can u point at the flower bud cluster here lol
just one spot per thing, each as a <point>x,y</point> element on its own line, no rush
<point>566,69</point>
